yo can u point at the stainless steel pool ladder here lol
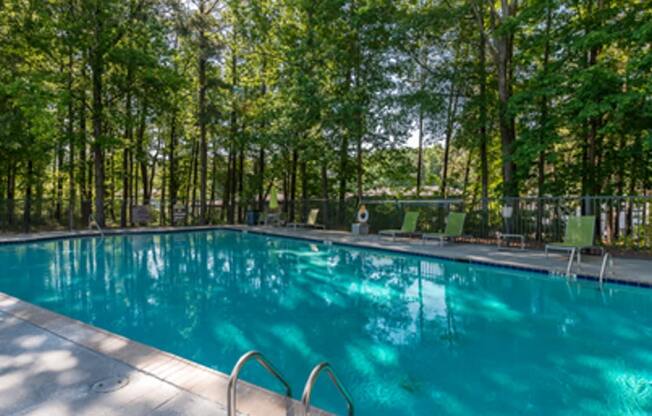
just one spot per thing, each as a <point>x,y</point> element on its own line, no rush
<point>314,375</point>
<point>570,262</point>
<point>607,261</point>
<point>93,222</point>
<point>235,373</point>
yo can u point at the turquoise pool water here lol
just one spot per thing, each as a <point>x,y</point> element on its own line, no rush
<point>408,335</point>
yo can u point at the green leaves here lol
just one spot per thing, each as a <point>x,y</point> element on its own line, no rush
<point>344,84</point>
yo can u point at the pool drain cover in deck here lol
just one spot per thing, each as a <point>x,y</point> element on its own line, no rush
<point>109,384</point>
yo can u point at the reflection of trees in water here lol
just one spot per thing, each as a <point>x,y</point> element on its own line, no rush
<point>180,292</point>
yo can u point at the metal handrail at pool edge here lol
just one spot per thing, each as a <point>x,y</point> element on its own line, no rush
<point>570,262</point>
<point>603,268</point>
<point>93,222</point>
<point>314,375</point>
<point>235,373</point>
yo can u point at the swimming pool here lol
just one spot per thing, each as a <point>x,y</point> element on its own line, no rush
<point>408,335</point>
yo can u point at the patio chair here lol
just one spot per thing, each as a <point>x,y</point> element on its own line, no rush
<point>454,228</point>
<point>408,228</point>
<point>311,221</point>
<point>273,216</point>
<point>578,235</point>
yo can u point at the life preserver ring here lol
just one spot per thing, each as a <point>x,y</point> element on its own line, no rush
<point>363,215</point>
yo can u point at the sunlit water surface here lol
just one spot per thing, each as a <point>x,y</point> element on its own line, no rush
<point>408,335</point>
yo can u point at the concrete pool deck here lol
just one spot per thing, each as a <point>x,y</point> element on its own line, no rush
<point>49,363</point>
<point>54,365</point>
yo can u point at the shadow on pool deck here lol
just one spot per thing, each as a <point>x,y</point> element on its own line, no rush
<point>49,362</point>
<point>44,374</point>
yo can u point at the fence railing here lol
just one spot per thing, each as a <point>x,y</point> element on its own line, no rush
<point>45,214</point>
<point>621,221</point>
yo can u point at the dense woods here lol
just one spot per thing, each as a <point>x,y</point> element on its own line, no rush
<point>207,104</point>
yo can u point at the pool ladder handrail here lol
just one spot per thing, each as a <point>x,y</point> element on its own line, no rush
<point>570,262</point>
<point>235,374</point>
<point>93,222</point>
<point>314,375</point>
<point>607,260</point>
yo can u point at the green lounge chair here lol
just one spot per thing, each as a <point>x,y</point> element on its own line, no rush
<point>273,216</point>
<point>408,228</point>
<point>311,222</point>
<point>454,228</point>
<point>578,235</point>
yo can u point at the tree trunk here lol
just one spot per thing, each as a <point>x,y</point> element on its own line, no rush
<point>359,167</point>
<point>420,153</point>
<point>261,179</point>
<point>84,190</point>
<point>11,193</point>
<point>293,183</point>
<point>226,198</point>
<point>241,201</point>
<point>203,46</point>
<point>129,136</point>
<point>234,183</point>
<point>71,144</point>
<point>133,181</point>
<point>450,122</point>
<point>304,189</point>
<point>467,171</point>
<point>503,51</point>
<point>97,71</point>
<point>324,192</point>
<point>142,153</point>
<point>173,165</point>
<point>193,184</point>
<point>483,136</point>
<point>213,197</point>
<point>635,173</point>
<point>27,211</point>
<point>541,165</point>
<point>344,150</point>
<point>164,185</point>
<point>591,183</point>
<point>235,176</point>
<point>59,194</point>
<point>152,174</point>
<point>112,185</point>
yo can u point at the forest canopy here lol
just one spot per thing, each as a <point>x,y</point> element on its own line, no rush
<point>107,104</point>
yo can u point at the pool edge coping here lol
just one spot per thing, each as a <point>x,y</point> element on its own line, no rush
<point>110,232</point>
<point>179,372</point>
